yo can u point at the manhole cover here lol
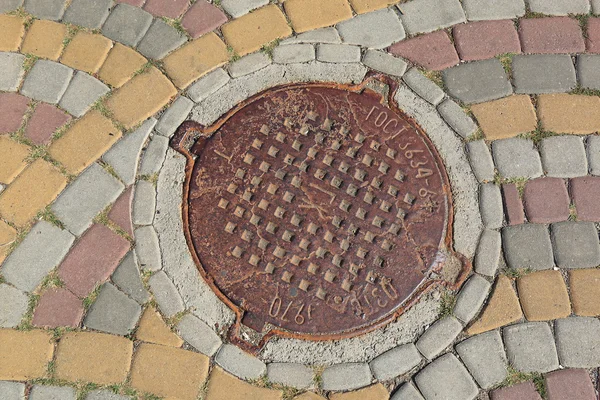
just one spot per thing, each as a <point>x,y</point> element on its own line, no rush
<point>315,211</point>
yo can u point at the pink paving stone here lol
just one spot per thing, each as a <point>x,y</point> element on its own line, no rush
<point>522,391</point>
<point>570,384</point>
<point>513,204</point>
<point>486,39</point>
<point>58,307</point>
<point>136,3</point>
<point>92,260</point>
<point>546,200</point>
<point>551,35</point>
<point>586,192</point>
<point>46,119</point>
<point>202,18</point>
<point>120,212</point>
<point>166,8</point>
<point>593,35</point>
<point>433,51</point>
<point>12,109</point>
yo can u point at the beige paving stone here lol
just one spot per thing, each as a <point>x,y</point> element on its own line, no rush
<point>120,65</point>
<point>222,386</point>
<point>309,396</point>
<point>544,296</point>
<point>363,6</point>
<point>502,309</point>
<point>569,113</point>
<point>505,118</point>
<point>86,52</point>
<point>12,29</point>
<point>168,372</point>
<point>195,59</point>
<point>93,357</point>
<point>141,97</point>
<point>585,291</point>
<point>24,355</point>
<point>307,15</point>
<point>8,235</point>
<point>12,159</point>
<point>375,392</point>
<point>84,142</point>
<point>250,32</point>
<point>153,329</point>
<point>44,39</point>
<point>31,191</point>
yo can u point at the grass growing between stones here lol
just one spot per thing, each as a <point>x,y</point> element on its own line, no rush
<point>288,392</point>
<point>269,47</point>
<point>103,219</point>
<point>434,76</point>
<point>585,92</point>
<point>447,303</point>
<point>91,298</point>
<point>537,135</point>
<point>153,179</point>
<point>515,377</point>
<point>478,135</point>
<point>572,212</point>
<point>515,273</point>
<point>519,182</point>
<point>26,323</point>
<point>52,281</point>
<point>506,61</point>
<point>233,56</point>
<point>48,215</point>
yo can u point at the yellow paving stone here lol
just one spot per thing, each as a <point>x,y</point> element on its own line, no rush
<point>585,291</point>
<point>84,142</point>
<point>363,6</point>
<point>223,386</point>
<point>7,236</point>
<point>44,39</point>
<point>120,65</point>
<point>250,32</point>
<point>195,59</point>
<point>12,29</point>
<point>307,15</point>
<point>544,296</point>
<point>505,118</point>
<point>141,97</point>
<point>168,372</point>
<point>309,396</point>
<point>153,329</point>
<point>375,392</point>
<point>502,309</point>
<point>24,355</point>
<point>31,191</point>
<point>569,113</point>
<point>12,159</point>
<point>86,52</point>
<point>93,357</point>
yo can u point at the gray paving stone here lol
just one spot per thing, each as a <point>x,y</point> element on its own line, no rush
<point>147,248</point>
<point>395,362</point>
<point>478,81</point>
<point>123,157</point>
<point>421,16</point>
<point>517,158</point>
<point>384,62</point>
<point>11,65</point>
<point>484,357</point>
<point>322,35</point>
<point>422,86</point>
<point>481,160</point>
<point>543,73</point>
<point>113,312</point>
<point>596,7</point>
<point>289,374</point>
<point>46,9</point>
<point>471,297</point>
<point>457,118</point>
<point>82,93</point>
<point>588,71</point>
<point>86,197</point>
<point>293,53</point>
<point>446,378</point>
<point>359,30</point>
<point>559,7</point>
<point>408,391</point>
<point>154,155</point>
<point>338,53</point>
<point>237,8</point>
<point>105,395</point>
<point>576,244</point>
<point>166,294</point>
<point>578,342</point>
<point>348,376</point>
<point>527,246</point>
<point>127,278</point>
<point>144,203</point>
<point>199,335</point>
<point>530,347</point>
<point>174,116</point>
<point>12,390</point>
<point>13,305</point>
<point>160,40</point>
<point>249,64</point>
<point>208,85</point>
<point>26,267</point>
<point>39,392</point>
<point>564,156</point>
<point>9,5</point>
<point>88,13</point>
<point>241,364</point>
<point>490,204</point>
<point>487,257</point>
<point>438,337</point>
<point>478,10</point>
<point>127,24</point>
<point>593,154</point>
<point>47,81</point>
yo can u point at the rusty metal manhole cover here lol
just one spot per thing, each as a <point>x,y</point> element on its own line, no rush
<point>314,210</point>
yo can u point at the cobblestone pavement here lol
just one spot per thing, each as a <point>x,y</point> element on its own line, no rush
<point>99,296</point>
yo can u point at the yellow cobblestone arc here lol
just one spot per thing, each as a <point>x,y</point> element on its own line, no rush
<point>7,236</point>
<point>506,118</point>
<point>375,392</point>
<point>569,113</point>
<point>222,386</point>
<point>585,291</point>
<point>363,6</point>
<point>24,355</point>
<point>86,52</point>
<point>120,65</point>
<point>544,296</point>
<point>12,29</point>
<point>307,15</point>
<point>12,159</point>
<point>153,329</point>
<point>45,39</point>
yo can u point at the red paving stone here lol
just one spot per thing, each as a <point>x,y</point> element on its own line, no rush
<point>570,384</point>
<point>433,51</point>
<point>120,212</point>
<point>522,391</point>
<point>44,121</point>
<point>593,35</point>
<point>513,204</point>
<point>486,39</point>
<point>137,3</point>
<point>546,200</point>
<point>166,8</point>
<point>92,260</point>
<point>586,192</point>
<point>551,35</point>
<point>58,307</point>
<point>202,18</point>
<point>12,109</point>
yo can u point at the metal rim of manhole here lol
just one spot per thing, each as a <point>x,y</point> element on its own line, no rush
<point>317,211</point>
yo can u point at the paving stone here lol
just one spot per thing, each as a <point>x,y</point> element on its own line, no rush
<point>478,81</point>
<point>44,39</point>
<point>570,384</point>
<point>293,53</point>
<point>521,391</point>
<point>144,203</point>
<point>120,212</point>
<point>567,113</point>
<point>153,329</point>
<point>47,81</point>
<point>558,76</point>
<point>111,355</point>
<point>12,71</point>
<point>506,118</point>
<point>82,93</point>
<point>595,7</point>
<point>174,116</point>
<point>160,40</point>
<point>588,71</point>
<point>384,62</point>
<point>527,246</point>
<point>12,390</point>
<point>39,392</point>
<point>486,39</point>
<point>408,391</point>
<point>490,205</point>
<point>578,342</point>
<point>57,308</point>
<point>559,7</point>
<point>359,30</point>
<point>484,357</point>
<point>576,245</point>
<point>154,155</point>
<point>424,87</point>
<point>127,278</point>
<point>395,362</point>
<point>45,120</point>
<point>120,65</point>
<point>481,160</point>
<point>208,85</point>
<point>374,392</point>
<point>544,296</point>
<point>487,257</point>
<point>438,337</point>
<point>551,35</point>
<point>147,248</point>
<point>593,153</point>
<point>593,32</point>
<point>25,354</point>
<point>292,375</point>
<point>7,236</point>
<point>201,18</point>
<point>13,107</point>
<point>457,118</point>
<point>13,30</point>
<point>239,363</point>
<point>113,312</point>
<point>127,24</point>
<point>585,191</point>
<point>199,335</point>
<point>493,10</point>
<point>13,158</point>
<point>170,9</point>
<point>13,306</point>
<point>105,395</point>
<point>247,65</point>
<point>517,158</point>
<point>421,16</point>
<point>513,204</point>
<point>338,53</point>
<point>471,298</point>
<point>445,378</point>
<point>433,51</point>
<point>223,386</point>
<point>546,200</point>
<point>166,294</point>
<point>348,376</point>
<point>322,35</point>
<point>530,347</point>
<point>307,15</point>
<point>45,9</point>
<point>88,13</point>
<point>237,8</point>
<point>10,5</point>
<point>584,285</point>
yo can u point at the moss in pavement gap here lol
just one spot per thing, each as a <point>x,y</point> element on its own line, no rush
<point>515,273</point>
<point>91,298</point>
<point>537,135</point>
<point>572,212</point>
<point>585,91</point>
<point>506,60</point>
<point>447,303</point>
<point>26,324</point>
<point>478,135</point>
<point>48,215</point>
<point>269,47</point>
<point>434,76</point>
<point>30,60</point>
<point>52,281</point>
